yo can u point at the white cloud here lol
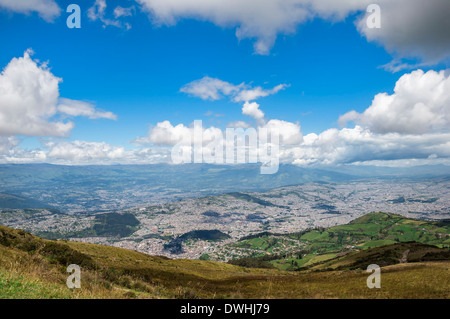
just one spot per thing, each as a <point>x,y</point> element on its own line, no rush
<point>252,109</point>
<point>359,145</point>
<point>257,92</point>
<point>164,133</point>
<point>355,145</point>
<point>290,133</point>
<point>79,108</point>
<point>123,12</point>
<point>7,143</point>
<point>410,28</point>
<point>47,9</point>
<point>29,100</point>
<point>210,88</point>
<point>420,103</point>
<point>98,12</point>
<point>260,19</point>
<point>207,139</point>
<point>214,89</point>
<point>82,151</point>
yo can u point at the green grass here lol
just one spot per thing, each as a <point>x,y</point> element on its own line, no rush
<point>369,231</point>
<point>20,287</point>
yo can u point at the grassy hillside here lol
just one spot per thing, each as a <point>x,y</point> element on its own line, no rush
<point>31,267</point>
<point>303,249</point>
<point>408,252</point>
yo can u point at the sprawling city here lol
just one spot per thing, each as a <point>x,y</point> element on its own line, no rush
<point>239,214</point>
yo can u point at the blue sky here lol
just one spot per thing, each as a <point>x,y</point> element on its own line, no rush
<point>329,66</point>
<point>138,73</point>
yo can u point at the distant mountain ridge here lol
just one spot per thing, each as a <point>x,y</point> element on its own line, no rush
<point>10,201</point>
<point>112,187</point>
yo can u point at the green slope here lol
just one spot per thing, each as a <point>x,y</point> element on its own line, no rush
<point>408,252</point>
<point>303,249</point>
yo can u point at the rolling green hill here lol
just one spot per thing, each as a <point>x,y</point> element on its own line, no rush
<point>303,249</point>
<point>31,267</point>
<point>384,256</point>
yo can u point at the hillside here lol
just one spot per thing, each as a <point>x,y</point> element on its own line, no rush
<point>298,250</point>
<point>399,253</point>
<point>31,267</point>
<point>9,201</point>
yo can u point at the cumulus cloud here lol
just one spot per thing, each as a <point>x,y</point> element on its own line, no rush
<point>252,109</point>
<point>289,133</point>
<point>260,19</point>
<point>410,28</point>
<point>164,133</point>
<point>212,145</point>
<point>351,145</point>
<point>47,9</point>
<point>420,104</point>
<point>332,147</point>
<point>82,151</point>
<point>29,100</point>
<point>412,125</point>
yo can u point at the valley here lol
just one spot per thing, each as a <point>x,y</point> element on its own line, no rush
<point>285,210</point>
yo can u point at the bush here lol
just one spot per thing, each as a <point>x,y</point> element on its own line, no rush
<point>66,256</point>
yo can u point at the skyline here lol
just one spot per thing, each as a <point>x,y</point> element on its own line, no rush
<point>127,85</point>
